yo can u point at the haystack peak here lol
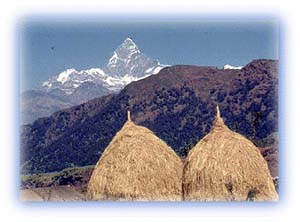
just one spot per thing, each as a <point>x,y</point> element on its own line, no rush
<point>219,122</point>
<point>128,115</point>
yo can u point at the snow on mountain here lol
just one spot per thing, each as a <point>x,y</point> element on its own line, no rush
<point>70,79</point>
<point>123,54</point>
<point>158,68</point>
<point>126,64</point>
<point>63,77</point>
<point>232,67</point>
<point>127,59</point>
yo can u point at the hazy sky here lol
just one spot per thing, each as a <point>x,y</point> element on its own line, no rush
<point>49,46</point>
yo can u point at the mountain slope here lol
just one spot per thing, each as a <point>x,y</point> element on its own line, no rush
<point>178,105</point>
<point>36,103</point>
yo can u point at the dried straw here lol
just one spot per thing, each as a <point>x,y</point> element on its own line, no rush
<point>137,165</point>
<point>226,166</point>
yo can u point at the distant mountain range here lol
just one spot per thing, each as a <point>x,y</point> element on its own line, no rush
<point>72,87</point>
<point>177,104</point>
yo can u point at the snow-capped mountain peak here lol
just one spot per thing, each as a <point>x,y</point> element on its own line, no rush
<point>227,66</point>
<point>122,56</point>
<point>129,40</point>
<point>127,59</point>
<point>63,76</point>
<point>93,72</point>
<point>130,45</point>
<point>126,64</point>
<point>126,50</point>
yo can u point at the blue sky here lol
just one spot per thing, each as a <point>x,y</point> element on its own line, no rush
<point>49,46</point>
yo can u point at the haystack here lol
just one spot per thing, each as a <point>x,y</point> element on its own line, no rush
<point>137,165</point>
<point>225,166</point>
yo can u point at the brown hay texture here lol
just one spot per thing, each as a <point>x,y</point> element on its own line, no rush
<point>225,166</point>
<point>137,165</point>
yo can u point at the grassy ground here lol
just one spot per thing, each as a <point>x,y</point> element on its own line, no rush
<point>76,176</point>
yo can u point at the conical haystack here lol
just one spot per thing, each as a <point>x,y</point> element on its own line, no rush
<point>226,166</point>
<point>137,165</point>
